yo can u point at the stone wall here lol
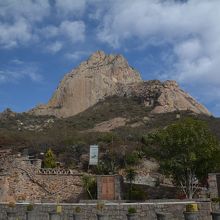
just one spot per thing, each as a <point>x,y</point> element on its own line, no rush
<point>21,180</point>
<point>144,180</point>
<point>115,211</point>
<point>214,185</point>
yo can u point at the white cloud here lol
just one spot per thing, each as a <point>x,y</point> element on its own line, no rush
<point>55,47</point>
<point>190,49</point>
<point>156,21</point>
<point>28,9</point>
<point>70,7</point>
<point>17,21</point>
<point>49,31</point>
<point>18,70</point>
<point>73,30</point>
<point>12,35</point>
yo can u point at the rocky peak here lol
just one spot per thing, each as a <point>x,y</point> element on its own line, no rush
<point>104,75</point>
<point>164,97</point>
<point>96,57</point>
<point>93,80</point>
<point>7,113</point>
<point>115,67</point>
<point>170,84</point>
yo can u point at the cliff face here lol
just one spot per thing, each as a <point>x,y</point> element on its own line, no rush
<point>107,75</point>
<point>93,80</point>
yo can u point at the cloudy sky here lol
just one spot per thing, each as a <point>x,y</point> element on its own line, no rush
<point>41,40</point>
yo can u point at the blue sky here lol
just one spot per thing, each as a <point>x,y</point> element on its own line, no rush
<point>42,40</point>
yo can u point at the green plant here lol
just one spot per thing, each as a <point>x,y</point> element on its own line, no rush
<point>193,207</point>
<point>132,158</point>
<point>90,186</point>
<point>49,159</point>
<point>216,200</point>
<point>132,210</point>
<point>30,207</point>
<point>77,209</point>
<point>106,167</point>
<point>130,176</point>
<point>58,209</point>
<point>100,206</point>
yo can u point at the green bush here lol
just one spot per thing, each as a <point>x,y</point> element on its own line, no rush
<point>90,186</point>
<point>108,137</point>
<point>77,209</point>
<point>132,210</point>
<point>132,158</point>
<point>216,200</point>
<point>30,207</point>
<point>49,159</point>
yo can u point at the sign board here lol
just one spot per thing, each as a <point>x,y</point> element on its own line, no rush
<point>93,155</point>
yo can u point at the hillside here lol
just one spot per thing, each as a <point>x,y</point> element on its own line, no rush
<point>126,118</point>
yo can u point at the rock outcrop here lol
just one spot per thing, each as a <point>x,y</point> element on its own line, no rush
<point>164,97</point>
<point>7,113</point>
<point>107,75</point>
<point>92,81</point>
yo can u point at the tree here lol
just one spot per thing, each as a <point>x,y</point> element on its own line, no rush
<point>132,158</point>
<point>187,151</point>
<point>130,177</point>
<point>49,159</point>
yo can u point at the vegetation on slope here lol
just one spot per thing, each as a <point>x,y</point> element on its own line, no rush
<point>69,138</point>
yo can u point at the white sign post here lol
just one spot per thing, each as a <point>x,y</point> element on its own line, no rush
<point>93,155</point>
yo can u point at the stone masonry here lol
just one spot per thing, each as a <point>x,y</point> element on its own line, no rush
<point>214,185</point>
<point>23,180</point>
<point>115,211</point>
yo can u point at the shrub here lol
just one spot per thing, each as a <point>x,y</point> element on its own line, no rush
<point>192,207</point>
<point>30,207</point>
<point>90,186</point>
<point>77,209</point>
<point>216,200</point>
<point>100,206</point>
<point>107,137</point>
<point>132,158</point>
<point>132,210</point>
<point>49,159</point>
<point>58,209</point>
